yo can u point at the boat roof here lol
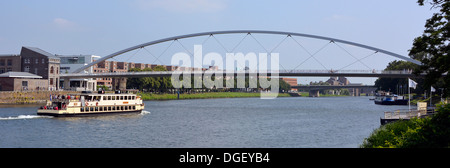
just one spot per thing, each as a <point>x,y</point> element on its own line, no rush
<point>106,94</point>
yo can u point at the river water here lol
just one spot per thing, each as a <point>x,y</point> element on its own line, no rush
<point>300,122</point>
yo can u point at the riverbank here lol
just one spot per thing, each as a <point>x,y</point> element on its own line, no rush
<point>428,132</point>
<point>208,95</point>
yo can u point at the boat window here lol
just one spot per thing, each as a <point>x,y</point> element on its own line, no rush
<point>126,107</point>
<point>121,108</point>
<point>114,108</point>
<point>129,107</point>
<point>121,97</point>
<point>92,109</point>
<point>96,108</point>
<point>113,97</point>
<point>134,107</point>
<point>82,109</point>
<point>104,97</point>
<point>125,98</point>
<point>109,97</point>
<point>109,108</point>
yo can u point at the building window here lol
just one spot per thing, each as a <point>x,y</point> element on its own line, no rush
<point>51,81</point>
<point>9,69</point>
<point>37,61</point>
<point>27,69</point>
<point>9,62</point>
<point>51,70</point>
<point>43,60</point>
<point>2,62</point>
<point>26,61</point>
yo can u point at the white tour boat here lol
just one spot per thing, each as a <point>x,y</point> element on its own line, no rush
<point>85,104</point>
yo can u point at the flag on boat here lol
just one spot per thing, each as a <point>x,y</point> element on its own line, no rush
<point>433,89</point>
<point>412,84</point>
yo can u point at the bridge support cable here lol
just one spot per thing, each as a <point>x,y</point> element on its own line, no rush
<point>267,51</point>
<point>358,60</point>
<point>167,48</point>
<point>342,48</point>
<point>156,58</point>
<point>248,32</point>
<point>194,52</point>
<point>310,55</point>
<point>133,54</point>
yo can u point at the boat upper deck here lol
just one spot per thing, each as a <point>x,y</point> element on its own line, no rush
<point>95,97</point>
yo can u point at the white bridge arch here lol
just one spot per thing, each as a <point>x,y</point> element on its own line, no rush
<point>248,32</point>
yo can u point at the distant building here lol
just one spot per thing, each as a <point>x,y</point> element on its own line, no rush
<point>10,63</point>
<point>70,63</point>
<point>335,81</point>
<point>22,81</point>
<point>291,81</point>
<point>41,63</point>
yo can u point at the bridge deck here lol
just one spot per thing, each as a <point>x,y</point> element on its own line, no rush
<point>315,73</point>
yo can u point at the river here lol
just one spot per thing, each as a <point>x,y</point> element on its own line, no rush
<point>293,122</point>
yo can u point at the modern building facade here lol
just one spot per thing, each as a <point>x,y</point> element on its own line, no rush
<point>70,63</point>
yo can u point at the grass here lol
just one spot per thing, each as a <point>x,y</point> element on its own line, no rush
<point>208,95</point>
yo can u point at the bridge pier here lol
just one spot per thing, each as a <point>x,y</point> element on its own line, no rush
<point>314,93</point>
<point>66,83</point>
<point>119,84</point>
<point>355,92</point>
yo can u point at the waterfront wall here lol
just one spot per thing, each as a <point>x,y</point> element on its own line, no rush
<point>29,97</point>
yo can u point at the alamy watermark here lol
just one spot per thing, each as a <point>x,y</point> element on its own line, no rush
<point>257,70</point>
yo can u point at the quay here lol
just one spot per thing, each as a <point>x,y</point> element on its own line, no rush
<point>406,114</point>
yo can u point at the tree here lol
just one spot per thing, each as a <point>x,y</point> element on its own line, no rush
<point>159,84</point>
<point>394,84</point>
<point>433,47</point>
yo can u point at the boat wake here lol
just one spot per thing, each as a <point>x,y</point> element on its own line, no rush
<point>143,112</point>
<point>24,117</point>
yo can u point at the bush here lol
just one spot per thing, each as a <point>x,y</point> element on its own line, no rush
<point>426,132</point>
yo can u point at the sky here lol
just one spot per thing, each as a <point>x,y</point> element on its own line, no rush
<point>102,27</point>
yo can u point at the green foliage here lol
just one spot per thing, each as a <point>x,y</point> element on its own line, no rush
<point>426,132</point>
<point>102,87</point>
<point>392,84</point>
<point>433,47</point>
<point>158,84</point>
<point>284,86</point>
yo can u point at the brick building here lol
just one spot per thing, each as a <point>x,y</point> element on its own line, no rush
<point>10,63</point>
<point>21,81</point>
<point>41,63</point>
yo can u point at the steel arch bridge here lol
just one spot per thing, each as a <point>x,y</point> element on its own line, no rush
<point>247,32</point>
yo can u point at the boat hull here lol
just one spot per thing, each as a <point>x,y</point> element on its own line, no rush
<point>85,114</point>
<point>396,102</point>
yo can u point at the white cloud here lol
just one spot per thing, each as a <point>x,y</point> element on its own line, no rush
<point>183,6</point>
<point>64,24</point>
